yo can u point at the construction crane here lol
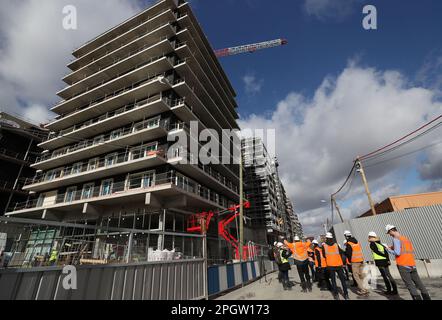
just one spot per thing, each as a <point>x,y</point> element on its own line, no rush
<point>250,48</point>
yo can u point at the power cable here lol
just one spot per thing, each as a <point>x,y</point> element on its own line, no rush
<point>406,142</point>
<point>400,139</point>
<point>406,154</point>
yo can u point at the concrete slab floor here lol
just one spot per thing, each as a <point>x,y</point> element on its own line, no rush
<point>272,290</point>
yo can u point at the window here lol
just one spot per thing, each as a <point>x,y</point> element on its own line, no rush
<point>70,194</point>
<point>142,180</point>
<point>53,174</point>
<point>40,200</point>
<point>76,168</point>
<point>99,139</point>
<point>93,164</point>
<point>106,187</point>
<point>110,159</point>
<point>143,151</point>
<point>88,190</point>
<point>116,134</point>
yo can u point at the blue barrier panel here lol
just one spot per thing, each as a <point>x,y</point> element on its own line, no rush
<point>230,276</point>
<point>245,276</point>
<point>213,280</point>
<point>253,270</point>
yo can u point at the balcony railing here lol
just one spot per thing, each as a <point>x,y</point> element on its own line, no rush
<point>174,178</point>
<point>138,66</point>
<point>114,135</point>
<point>119,35</point>
<point>106,116</point>
<point>99,163</point>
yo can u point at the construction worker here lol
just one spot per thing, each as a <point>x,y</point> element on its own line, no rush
<point>382,261</point>
<point>402,248</point>
<point>353,252</point>
<point>300,257</point>
<point>321,265</point>
<point>311,259</point>
<point>332,255</point>
<point>54,256</point>
<point>281,257</point>
<point>273,251</point>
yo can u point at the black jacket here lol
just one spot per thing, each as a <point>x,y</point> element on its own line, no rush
<point>331,242</point>
<point>349,249</point>
<point>380,263</point>
<point>285,253</point>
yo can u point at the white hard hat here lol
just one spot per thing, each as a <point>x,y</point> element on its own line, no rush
<point>275,243</point>
<point>372,234</point>
<point>388,227</point>
<point>279,244</point>
<point>329,235</point>
<point>347,233</point>
<point>297,238</point>
<point>315,242</point>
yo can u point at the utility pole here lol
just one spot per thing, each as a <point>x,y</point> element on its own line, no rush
<point>360,169</point>
<point>337,208</point>
<point>241,205</point>
<point>203,223</point>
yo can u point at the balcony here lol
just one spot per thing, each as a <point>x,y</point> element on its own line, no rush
<point>132,191</point>
<point>104,91</point>
<point>126,41</point>
<point>99,74</point>
<point>187,20</point>
<point>202,69</point>
<point>117,139</point>
<point>138,158</point>
<point>186,70</point>
<point>108,121</point>
<point>184,89</point>
<point>149,87</point>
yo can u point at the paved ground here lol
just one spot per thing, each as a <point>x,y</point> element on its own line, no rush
<point>271,289</point>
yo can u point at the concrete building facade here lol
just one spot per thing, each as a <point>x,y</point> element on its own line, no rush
<point>111,158</point>
<point>271,215</point>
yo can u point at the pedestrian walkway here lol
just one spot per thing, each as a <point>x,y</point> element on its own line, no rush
<point>271,289</point>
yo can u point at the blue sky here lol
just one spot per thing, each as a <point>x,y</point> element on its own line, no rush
<point>408,32</point>
<point>334,92</point>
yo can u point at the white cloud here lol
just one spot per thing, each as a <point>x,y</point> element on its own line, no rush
<point>317,138</point>
<point>34,47</point>
<point>252,84</point>
<point>329,9</point>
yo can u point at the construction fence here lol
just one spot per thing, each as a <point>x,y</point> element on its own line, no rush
<point>422,226</point>
<point>114,263</point>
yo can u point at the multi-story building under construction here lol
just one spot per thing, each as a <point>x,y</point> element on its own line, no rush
<point>109,158</point>
<point>271,214</point>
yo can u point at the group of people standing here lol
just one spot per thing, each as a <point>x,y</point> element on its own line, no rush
<point>328,261</point>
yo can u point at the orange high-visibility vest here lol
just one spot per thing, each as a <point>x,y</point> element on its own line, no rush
<point>323,261</point>
<point>333,256</point>
<point>300,252</point>
<point>357,255</point>
<point>290,245</point>
<point>406,259</point>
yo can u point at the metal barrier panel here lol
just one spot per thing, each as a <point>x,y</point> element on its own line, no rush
<point>422,226</point>
<point>172,280</point>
